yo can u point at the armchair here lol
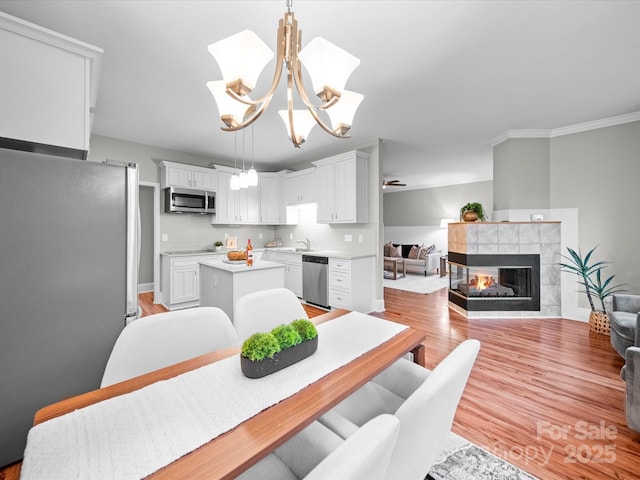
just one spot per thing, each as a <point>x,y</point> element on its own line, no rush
<point>631,375</point>
<point>624,320</point>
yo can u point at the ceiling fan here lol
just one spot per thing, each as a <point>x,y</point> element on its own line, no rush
<point>393,183</point>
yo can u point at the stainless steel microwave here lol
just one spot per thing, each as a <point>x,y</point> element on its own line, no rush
<point>185,200</point>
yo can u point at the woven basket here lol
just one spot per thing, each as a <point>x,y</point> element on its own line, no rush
<point>599,323</point>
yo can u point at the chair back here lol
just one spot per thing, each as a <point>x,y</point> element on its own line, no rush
<point>427,415</point>
<point>160,340</point>
<point>364,455</point>
<point>261,311</point>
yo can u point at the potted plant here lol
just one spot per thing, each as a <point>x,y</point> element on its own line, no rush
<point>218,244</point>
<point>265,353</point>
<point>472,212</point>
<point>586,271</point>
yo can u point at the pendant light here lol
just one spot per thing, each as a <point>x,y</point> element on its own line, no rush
<point>252,174</point>
<point>234,183</point>
<point>243,180</point>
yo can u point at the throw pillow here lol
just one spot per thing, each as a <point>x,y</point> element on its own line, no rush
<point>423,254</point>
<point>395,251</point>
<point>431,249</point>
<point>387,249</point>
<point>413,253</point>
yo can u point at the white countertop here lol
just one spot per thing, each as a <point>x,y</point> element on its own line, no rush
<point>315,253</point>
<point>241,267</point>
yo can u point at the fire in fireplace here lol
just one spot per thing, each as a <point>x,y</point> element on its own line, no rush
<point>494,282</point>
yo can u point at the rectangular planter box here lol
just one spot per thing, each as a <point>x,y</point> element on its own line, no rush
<point>280,360</point>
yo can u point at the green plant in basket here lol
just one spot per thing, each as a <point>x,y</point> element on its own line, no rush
<point>260,346</point>
<point>287,336</point>
<point>305,328</point>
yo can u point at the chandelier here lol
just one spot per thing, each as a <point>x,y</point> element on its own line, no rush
<point>243,56</point>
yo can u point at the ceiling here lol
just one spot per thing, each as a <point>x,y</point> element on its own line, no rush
<point>440,79</point>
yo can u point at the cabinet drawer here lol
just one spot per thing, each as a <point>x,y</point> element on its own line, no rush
<point>339,298</point>
<point>341,265</point>
<point>185,262</point>
<point>340,280</point>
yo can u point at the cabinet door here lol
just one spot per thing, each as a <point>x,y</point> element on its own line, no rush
<point>179,177</point>
<point>269,200</point>
<point>248,208</point>
<point>204,180</point>
<point>344,191</point>
<point>325,200</point>
<point>293,279</point>
<point>225,201</point>
<point>184,285</point>
<point>307,187</point>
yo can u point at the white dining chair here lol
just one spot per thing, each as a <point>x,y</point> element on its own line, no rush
<point>317,453</point>
<point>426,413</point>
<point>160,340</point>
<point>261,311</point>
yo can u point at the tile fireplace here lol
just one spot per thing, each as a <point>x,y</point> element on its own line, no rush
<point>504,269</point>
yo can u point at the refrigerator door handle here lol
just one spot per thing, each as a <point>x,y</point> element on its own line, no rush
<point>133,232</point>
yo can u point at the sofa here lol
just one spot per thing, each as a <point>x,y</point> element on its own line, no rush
<point>624,320</point>
<point>417,258</point>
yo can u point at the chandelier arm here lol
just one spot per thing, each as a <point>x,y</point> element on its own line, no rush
<point>297,71</point>
<point>319,121</point>
<point>292,131</point>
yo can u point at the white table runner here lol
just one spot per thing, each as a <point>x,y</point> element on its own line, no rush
<point>136,434</point>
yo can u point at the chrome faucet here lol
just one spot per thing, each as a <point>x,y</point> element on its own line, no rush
<point>306,242</point>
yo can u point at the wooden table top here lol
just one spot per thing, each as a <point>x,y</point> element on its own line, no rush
<point>231,453</point>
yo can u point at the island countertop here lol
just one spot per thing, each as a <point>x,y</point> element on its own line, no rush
<point>241,267</point>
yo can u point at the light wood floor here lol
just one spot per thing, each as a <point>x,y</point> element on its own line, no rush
<point>544,394</point>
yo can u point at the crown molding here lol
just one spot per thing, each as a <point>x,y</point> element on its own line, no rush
<point>568,130</point>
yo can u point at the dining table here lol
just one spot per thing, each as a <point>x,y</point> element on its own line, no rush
<point>230,453</point>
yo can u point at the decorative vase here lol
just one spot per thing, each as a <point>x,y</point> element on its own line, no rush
<point>470,216</point>
<point>280,360</point>
<point>599,323</point>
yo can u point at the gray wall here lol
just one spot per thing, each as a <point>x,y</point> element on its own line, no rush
<point>521,174</point>
<point>426,206</point>
<point>145,268</point>
<point>598,172</point>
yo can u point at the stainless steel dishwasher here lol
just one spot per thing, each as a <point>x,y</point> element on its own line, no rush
<point>314,280</point>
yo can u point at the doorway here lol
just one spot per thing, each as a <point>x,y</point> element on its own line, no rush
<point>149,239</point>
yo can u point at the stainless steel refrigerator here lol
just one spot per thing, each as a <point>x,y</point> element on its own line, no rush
<point>68,280</point>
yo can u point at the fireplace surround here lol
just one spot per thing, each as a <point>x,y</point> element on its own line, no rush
<point>519,261</point>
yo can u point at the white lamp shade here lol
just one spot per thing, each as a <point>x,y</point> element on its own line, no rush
<point>327,64</point>
<point>252,176</point>
<point>303,122</point>
<point>234,183</point>
<point>243,180</point>
<point>227,106</point>
<point>241,56</point>
<point>343,111</point>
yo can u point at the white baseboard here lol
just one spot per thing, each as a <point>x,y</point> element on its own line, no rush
<point>145,287</point>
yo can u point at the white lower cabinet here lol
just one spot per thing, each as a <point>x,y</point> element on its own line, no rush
<point>292,268</point>
<point>181,280</point>
<point>351,283</point>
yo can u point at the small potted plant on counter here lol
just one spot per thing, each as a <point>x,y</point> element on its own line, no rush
<point>266,353</point>
<point>218,245</point>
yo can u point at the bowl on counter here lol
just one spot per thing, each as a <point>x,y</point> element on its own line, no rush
<point>237,255</point>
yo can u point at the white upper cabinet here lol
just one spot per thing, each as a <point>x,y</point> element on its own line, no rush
<point>48,86</point>
<point>341,183</point>
<point>300,186</point>
<point>269,184</point>
<point>187,176</point>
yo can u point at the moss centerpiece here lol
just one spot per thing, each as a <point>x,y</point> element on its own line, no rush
<point>265,353</point>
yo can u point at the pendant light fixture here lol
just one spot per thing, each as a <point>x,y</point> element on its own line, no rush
<point>242,57</point>
<point>234,182</point>
<point>243,179</point>
<point>252,174</point>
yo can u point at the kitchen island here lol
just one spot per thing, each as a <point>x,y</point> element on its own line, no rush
<point>222,284</point>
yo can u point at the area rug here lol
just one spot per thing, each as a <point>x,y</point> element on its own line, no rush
<point>418,283</point>
<point>462,460</point>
